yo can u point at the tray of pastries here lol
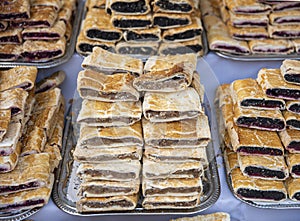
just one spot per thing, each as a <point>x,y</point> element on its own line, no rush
<point>39,33</point>
<point>253,30</point>
<point>32,123</point>
<point>260,136</point>
<point>138,139</point>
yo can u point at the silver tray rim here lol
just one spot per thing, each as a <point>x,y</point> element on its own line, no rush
<point>70,46</point>
<point>68,208</point>
<point>19,215</point>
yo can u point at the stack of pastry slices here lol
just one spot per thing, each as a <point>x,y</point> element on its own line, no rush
<point>135,27</point>
<point>127,106</point>
<point>31,136</point>
<point>34,30</point>
<point>259,125</point>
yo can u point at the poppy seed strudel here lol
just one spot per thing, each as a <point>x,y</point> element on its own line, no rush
<point>128,7</point>
<point>171,6</point>
<point>290,70</point>
<point>152,34</point>
<point>292,120</point>
<point>131,21</point>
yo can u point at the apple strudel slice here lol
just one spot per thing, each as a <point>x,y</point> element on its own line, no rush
<point>290,71</point>
<point>293,162</point>
<point>293,189</point>
<point>271,46</point>
<point>108,88</point>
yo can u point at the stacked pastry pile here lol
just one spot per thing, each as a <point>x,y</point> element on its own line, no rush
<point>36,30</point>
<point>252,27</point>
<point>31,132</point>
<point>135,27</point>
<point>175,129</point>
<point>259,124</point>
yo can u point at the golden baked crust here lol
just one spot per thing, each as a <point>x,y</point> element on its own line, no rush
<point>57,4</point>
<point>247,33</point>
<point>178,20</point>
<point>9,142</point>
<point>290,68</point>
<point>293,188</point>
<point>19,9</point>
<point>292,120</point>
<point>248,20</point>
<point>293,161</point>
<point>247,7</point>
<point>296,43</point>
<point>284,31</point>
<point>231,160</point>
<point>10,52</point>
<point>271,46</point>
<point>95,4</point>
<point>8,163</point>
<point>282,17</point>
<point>154,32</point>
<point>11,36</point>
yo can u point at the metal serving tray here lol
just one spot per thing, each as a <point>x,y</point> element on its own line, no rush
<point>64,182</point>
<point>70,46</point>
<point>17,216</point>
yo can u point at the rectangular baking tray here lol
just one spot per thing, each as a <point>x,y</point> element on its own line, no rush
<point>70,46</point>
<point>60,194</point>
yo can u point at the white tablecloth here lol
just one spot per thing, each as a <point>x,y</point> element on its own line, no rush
<point>225,72</point>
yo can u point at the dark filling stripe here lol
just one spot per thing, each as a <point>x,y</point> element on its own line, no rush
<point>125,120</point>
<point>250,36</point>
<point>85,92</point>
<point>8,189</point>
<point>232,49</point>
<point>169,22</point>
<point>110,174</point>
<point>286,34</point>
<point>271,50</point>
<point>41,35</point>
<point>132,36</point>
<point>254,11</point>
<point>103,35</point>
<point>98,141</point>
<point>97,205</point>
<point>154,191</point>
<point>293,123</point>
<point>294,78</point>
<point>194,172</point>
<point>32,56</point>
<point>84,47</point>
<point>170,114</point>
<point>131,23</point>
<point>264,172</point>
<point>260,194</point>
<point>167,5</point>
<point>130,7</point>
<point>287,20</point>
<point>261,122</point>
<point>296,170</point>
<point>106,189</point>
<point>10,39</point>
<point>260,150</point>
<point>11,16</point>
<point>296,196</point>
<point>180,142</point>
<point>21,205</point>
<point>183,49</point>
<point>137,50</point>
<point>189,34</point>
<point>262,103</point>
<point>251,23</point>
<point>175,204</point>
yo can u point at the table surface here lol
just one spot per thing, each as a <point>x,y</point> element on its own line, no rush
<point>213,71</point>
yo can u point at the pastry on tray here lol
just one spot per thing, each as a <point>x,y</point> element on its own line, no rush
<point>10,52</point>
<point>9,142</point>
<point>103,61</point>
<point>218,216</point>
<point>172,187</point>
<point>244,20</point>
<point>290,70</point>
<point>293,162</point>
<point>128,7</point>
<point>65,14</point>
<point>9,162</point>
<point>137,48</point>
<point>263,167</point>
<point>100,204</point>
<point>13,99</point>
<point>11,36</point>
<point>114,171</point>
<point>167,20</point>
<point>34,140</point>
<point>285,18</point>
<point>284,31</point>
<point>131,21</point>
<point>257,189</point>
<point>271,46</point>
<point>152,34</point>
<point>5,118</point>
<point>164,170</point>
<point>247,7</point>
<point>230,160</point>
<point>292,120</point>
<point>248,94</point>
<point>167,73</point>
<point>19,9</point>
<point>247,33</point>
<point>108,88</point>
<point>186,133</point>
<point>274,85</point>
<point>293,106</point>
<point>172,106</point>
<point>196,84</point>
<point>105,114</point>
<point>171,6</point>
<point>90,4</point>
<point>100,29</point>
<point>286,6</point>
<point>106,137</point>
<point>56,4</point>
<point>291,140</point>
<point>51,82</point>
<point>293,188</point>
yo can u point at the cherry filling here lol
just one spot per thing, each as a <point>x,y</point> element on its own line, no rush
<point>107,35</point>
<point>30,24</point>
<point>89,48</point>
<point>41,35</point>
<point>293,123</point>
<point>166,22</point>
<point>263,172</point>
<point>262,103</point>
<point>284,93</point>
<point>30,185</point>
<point>137,50</point>
<point>287,34</point>
<point>183,49</point>
<point>261,122</point>
<point>231,48</point>
<point>26,203</point>
<point>10,39</point>
<point>296,170</point>
<point>251,23</point>
<point>143,37</point>
<point>294,145</point>
<point>292,78</point>
<point>249,35</point>
<point>11,16</point>
<point>259,194</point>
<point>130,7</point>
<point>31,56</point>
<point>131,23</point>
<point>247,11</point>
<point>184,35</point>
<point>166,5</point>
<point>260,150</point>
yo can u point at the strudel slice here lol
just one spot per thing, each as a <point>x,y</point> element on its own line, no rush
<point>293,189</point>
<point>290,70</point>
<point>128,7</point>
<point>271,46</point>
<point>291,140</point>
<point>137,48</point>
<point>32,172</point>
<point>131,21</point>
<point>100,29</point>
<point>286,6</point>
<point>248,94</point>
<point>186,133</point>
<point>247,33</point>
<point>50,82</point>
<point>18,9</point>
<point>173,106</point>
<point>97,137</point>
<point>292,120</point>
<point>247,7</point>
<point>263,167</point>
<point>85,46</point>
<point>34,140</point>
<point>164,170</point>
<point>171,202</point>
<point>218,216</point>
<point>293,162</point>
<point>11,36</point>
<point>103,61</point>
<point>167,73</point>
<point>166,20</point>
<point>172,187</point>
<point>244,20</point>
<point>293,106</point>
<point>10,52</point>
<point>285,18</point>
<point>173,6</point>
<point>230,160</point>
<point>27,200</point>
<point>198,86</point>
<point>65,14</point>
<point>284,31</point>
<point>176,155</point>
<point>9,142</point>
<point>42,51</point>
<point>108,88</point>
<point>109,154</point>
<point>9,162</point>
<point>56,4</point>
<point>152,34</point>
<point>114,171</point>
<point>257,189</point>
<point>274,85</point>
<point>104,114</point>
<point>104,188</point>
<point>100,204</point>
<point>49,98</point>
<point>13,99</point>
